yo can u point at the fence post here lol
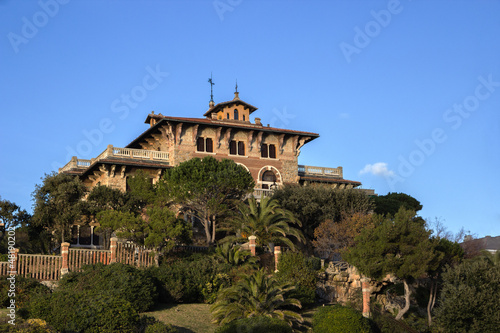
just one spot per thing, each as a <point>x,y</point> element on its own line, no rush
<point>65,258</point>
<point>365,285</point>
<point>13,263</point>
<point>112,247</point>
<point>252,245</point>
<point>277,254</point>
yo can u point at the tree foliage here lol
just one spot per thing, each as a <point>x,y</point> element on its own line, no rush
<point>470,298</point>
<point>58,204</point>
<point>400,246</point>
<point>208,188</point>
<point>331,238</point>
<point>314,204</point>
<point>392,202</point>
<point>11,215</point>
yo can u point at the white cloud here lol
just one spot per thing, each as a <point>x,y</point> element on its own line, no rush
<point>377,169</point>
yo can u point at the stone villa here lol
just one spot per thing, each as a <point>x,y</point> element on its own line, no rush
<point>269,154</point>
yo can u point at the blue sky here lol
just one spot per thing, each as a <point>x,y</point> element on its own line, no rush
<point>404,94</point>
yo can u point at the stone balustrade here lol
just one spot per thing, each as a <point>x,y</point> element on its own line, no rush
<point>111,151</point>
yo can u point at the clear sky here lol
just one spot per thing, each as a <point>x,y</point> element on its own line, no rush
<point>404,94</point>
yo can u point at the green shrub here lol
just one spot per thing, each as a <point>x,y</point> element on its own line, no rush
<point>339,319</point>
<point>25,289</point>
<point>131,284</point>
<point>84,312</point>
<point>295,268</point>
<point>255,325</point>
<point>26,326</point>
<point>160,327</point>
<point>196,278</point>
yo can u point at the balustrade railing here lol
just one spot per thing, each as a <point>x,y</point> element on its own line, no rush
<point>308,170</point>
<point>117,152</point>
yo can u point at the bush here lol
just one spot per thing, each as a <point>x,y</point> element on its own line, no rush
<point>160,327</point>
<point>196,278</point>
<point>295,268</point>
<point>25,289</point>
<point>339,319</point>
<point>83,312</point>
<point>255,325</point>
<point>131,284</point>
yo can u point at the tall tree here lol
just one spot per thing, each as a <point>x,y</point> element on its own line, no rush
<point>58,203</point>
<point>400,246</point>
<point>266,220</point>
<point>207,187</point>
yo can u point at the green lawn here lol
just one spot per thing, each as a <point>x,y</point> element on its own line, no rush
<point>188,318</point>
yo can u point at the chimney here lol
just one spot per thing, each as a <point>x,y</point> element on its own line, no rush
<point>257,122</point>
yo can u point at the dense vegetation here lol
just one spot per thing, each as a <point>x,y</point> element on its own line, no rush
<point>245,293</point>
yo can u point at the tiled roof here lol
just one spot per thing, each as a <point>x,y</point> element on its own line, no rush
<point>213,122</point>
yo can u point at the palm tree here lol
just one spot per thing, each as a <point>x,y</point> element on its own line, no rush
<point>253,296</point>
<point>267,221</point>
<point>235,255</point>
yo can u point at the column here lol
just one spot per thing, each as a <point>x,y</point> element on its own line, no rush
<point>113,243</point>
<point>277,254</point>
<point>65,258</point>
<point>365,285</point>
<point>252,245</point>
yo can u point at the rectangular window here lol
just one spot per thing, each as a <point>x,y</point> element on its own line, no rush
<point>241,148</point>
<point>209,145</point>
<point>272,151</point>
<point>268,151</point>
<point>263,151</point>
<point>232,147</point>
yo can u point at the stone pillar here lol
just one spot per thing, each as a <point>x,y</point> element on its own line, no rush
<point>65,258</point>
<point>112,248</point>
<point>252,245</point>
<point>277,254</point>
<point>365,285</point>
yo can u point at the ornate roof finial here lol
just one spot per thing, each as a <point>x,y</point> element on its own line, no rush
<point>211,90</point>
<point>236,93</point>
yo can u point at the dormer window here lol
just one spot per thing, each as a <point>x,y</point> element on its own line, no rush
<point>236,117</point>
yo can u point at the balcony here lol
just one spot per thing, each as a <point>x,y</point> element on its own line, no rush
<point>128,153</point>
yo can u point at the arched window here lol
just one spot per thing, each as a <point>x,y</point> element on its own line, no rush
<point>236,117</point>
<point>268,179</point>
<point>243,117</point>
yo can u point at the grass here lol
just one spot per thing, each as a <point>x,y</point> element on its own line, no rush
<point>188,318</point>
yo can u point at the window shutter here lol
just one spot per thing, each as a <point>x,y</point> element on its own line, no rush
<point>263,150</point>
<point>232,147</point>
<point>209,145</point>
<point>241,148</point>
<point>200,143</point>
<point>272,151</point>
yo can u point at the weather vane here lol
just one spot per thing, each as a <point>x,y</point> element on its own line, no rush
<point>236,86</point>
<point>211,87</point>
